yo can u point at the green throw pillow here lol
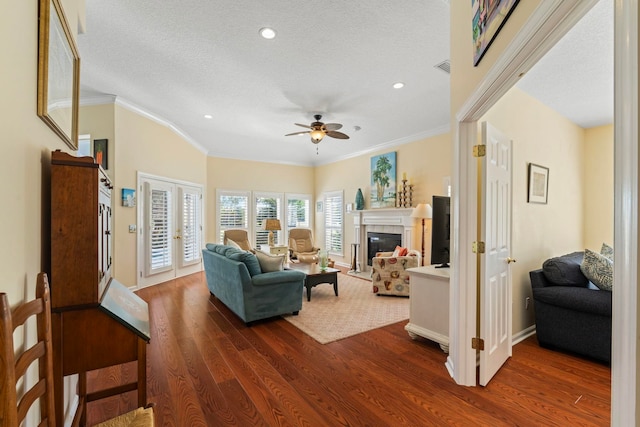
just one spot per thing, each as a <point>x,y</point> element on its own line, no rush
<point>599,269</point>
<point>270,263</point>
<point>607,251</point>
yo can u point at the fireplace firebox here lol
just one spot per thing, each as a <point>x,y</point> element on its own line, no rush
<point>381,242</point>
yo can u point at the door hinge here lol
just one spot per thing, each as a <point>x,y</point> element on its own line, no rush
<point>479,150</point>
<point>477,344</point>
<point>478,247</point>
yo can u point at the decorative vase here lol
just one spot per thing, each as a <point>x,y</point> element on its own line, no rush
<point>359,200</point>
<point>324,260</point>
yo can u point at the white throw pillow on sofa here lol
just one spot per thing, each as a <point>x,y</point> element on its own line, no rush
<point>269,262</point>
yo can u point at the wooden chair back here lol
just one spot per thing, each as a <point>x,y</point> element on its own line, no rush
<point>13,367</point>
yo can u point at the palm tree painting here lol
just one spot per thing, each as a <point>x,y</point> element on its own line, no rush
<point>383,180</point>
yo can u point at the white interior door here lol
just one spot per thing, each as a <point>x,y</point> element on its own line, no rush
<point>495,282</point>
<point>170,218</point>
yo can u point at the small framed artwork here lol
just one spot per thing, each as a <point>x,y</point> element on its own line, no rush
<point>538,184</point>
<point>128,197</point>
<point>319,206</point>
<point>101,153</point>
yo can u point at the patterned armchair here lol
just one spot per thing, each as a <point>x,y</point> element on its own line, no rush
<point>389,275</point>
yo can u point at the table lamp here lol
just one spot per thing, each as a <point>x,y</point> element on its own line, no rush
<point>422,211</point>
<point>271,225</point>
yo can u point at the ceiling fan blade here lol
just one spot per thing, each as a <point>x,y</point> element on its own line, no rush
<point>333,126</point>
<point>304,126</point>
<point>339,135</point>
<point>298,133</point>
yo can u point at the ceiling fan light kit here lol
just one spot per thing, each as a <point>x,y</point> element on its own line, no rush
<point>318,130</point>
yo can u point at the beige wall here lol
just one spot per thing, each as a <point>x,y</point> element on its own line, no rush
<point>143,145</point>
<point>426,162</point>
<point>27,143</point>
<point>598,187</point>
<point>464,76</point>
<point>242,175</point>
<point>98,121</point>
<point>540,231</point>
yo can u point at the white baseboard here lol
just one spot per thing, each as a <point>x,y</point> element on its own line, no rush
<point>523,335</point>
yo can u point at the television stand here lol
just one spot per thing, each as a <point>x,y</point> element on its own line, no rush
<point>443,265</point>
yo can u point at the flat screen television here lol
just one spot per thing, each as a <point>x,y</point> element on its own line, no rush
<point>441,231</point>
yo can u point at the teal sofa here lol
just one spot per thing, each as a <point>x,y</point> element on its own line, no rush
<point>234,277</point>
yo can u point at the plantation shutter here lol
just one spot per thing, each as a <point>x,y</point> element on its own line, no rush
<point>298,212</point>
<point>160,232</point>
<point>191,225</point>
<point>267,206</point>
<point>233,211</point>
<point>333,222</point>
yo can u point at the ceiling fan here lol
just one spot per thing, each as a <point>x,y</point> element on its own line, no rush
<point>319,130</point>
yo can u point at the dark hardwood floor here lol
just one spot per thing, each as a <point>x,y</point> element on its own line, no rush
<point>206,368</point>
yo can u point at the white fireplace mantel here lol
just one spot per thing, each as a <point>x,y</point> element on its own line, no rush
<point>395,220</point>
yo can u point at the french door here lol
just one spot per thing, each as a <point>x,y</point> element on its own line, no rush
<point>171,232</point>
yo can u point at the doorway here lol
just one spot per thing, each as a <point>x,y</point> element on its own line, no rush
<point>549,22</point>
<point>171,232</point>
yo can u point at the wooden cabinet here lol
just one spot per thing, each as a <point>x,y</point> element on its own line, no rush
<point>429,304</point>
<point>81,217</point>
<point>97,322</point>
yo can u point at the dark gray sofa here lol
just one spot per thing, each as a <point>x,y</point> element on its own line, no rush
<point>571,313</point>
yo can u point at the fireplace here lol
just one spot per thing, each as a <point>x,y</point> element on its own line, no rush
<point>381,242</point>
<point>386,221</point>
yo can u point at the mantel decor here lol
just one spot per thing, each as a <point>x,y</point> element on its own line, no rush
<point>58,73</point>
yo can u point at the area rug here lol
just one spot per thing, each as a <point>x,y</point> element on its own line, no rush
<point>357,309</point>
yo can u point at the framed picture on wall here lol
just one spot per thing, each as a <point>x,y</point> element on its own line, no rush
<point>319,206</point>
<point>101,153</point>
<point>488,18</point>
<point>538,184</point>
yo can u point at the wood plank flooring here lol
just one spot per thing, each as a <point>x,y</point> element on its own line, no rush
<point>206,368</point>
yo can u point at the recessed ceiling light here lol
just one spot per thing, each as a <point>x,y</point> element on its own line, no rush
<point>398,85</point>
<point>267,33</point>
<point>208,116</point>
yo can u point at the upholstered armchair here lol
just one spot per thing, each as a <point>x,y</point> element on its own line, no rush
<point>301,248</point>
<point>239,236</point>
<point>389,275</point>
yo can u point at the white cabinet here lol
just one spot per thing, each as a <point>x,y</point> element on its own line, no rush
<point>429,305</point>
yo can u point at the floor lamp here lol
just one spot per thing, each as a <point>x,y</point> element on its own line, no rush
<point>422,211</point>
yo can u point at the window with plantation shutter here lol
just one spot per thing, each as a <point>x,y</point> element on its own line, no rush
<point>267,205</point>
<point>333,222</point>
<point>233,211</point>
<point>191,225</point>
<point>298,211</point>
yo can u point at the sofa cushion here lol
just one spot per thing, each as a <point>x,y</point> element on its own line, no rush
<point>248,259</point>
<point>270,263</point>
<point>598,269</point>
<point>575,298</point>
<point>607,251</point>
<point>565,270</point>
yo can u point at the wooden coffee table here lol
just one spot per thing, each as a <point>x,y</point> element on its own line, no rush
<point>316,276</point>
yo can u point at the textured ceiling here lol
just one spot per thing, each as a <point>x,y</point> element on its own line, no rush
<point>178,61</point>
<point>575,77</point>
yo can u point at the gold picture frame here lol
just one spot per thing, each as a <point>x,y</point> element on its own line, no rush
<point>58,73</point>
